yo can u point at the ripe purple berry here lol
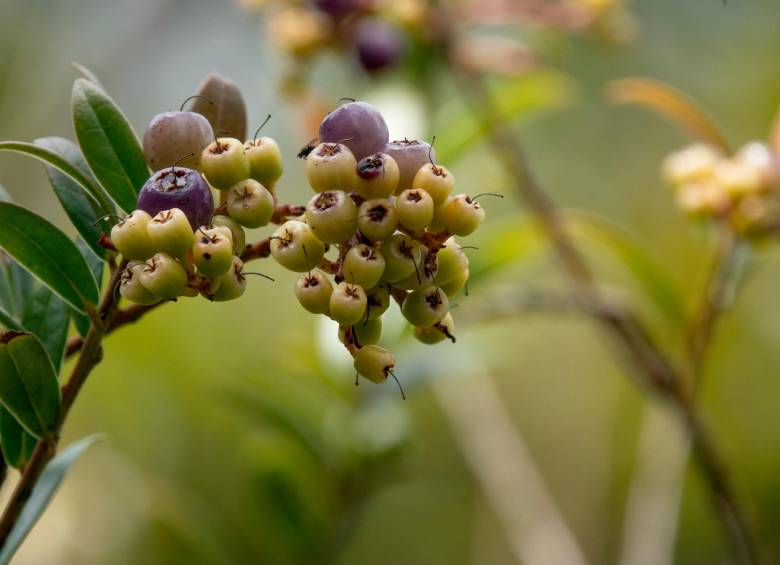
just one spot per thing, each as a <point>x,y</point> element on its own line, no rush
<point>380,44</point>
<point>409,156</point>
<point>171,135</point>
<point>178,187</point>
<point>377,176</point>
<point>358,125</point>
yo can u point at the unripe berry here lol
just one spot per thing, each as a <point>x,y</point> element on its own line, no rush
<point>451,261</point>
<point>377,219</point>
<point>295,247</point>
<point>409,156</point>
<point>363,265</point>
<point>359,124</point>
<point>237,235</point>
<point>366,332</point>
<point>454,286</point>
<point>331,166</point>
<point>347,303</point>
<point>332,216</point>
<point>374,363</point>
<point>212,252</point>
<point>425,307</point>
<point>377,176</point>
<point>177,187</point>
<point>438,332</point>
<point>463,215</point>
<point>131,288</point>
<point>224,163</point>
<point>250,204</point>
<point>232,284</point>
<point>171,233</point>
<point>437,224</point>
<point>313,291</point>
<point>265,160</point>
<point>131,237</point>
<point>163,276</point>
<point>402,256</point>
<point>414,208</point>
<point>172,135</point>
<point>436,181</point>
<point>378,301</point>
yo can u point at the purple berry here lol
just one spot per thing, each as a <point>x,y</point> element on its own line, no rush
<point>358,125</point>
<point>337,8</point>
<point>181,188</point>
<point>409,156</point>
<point>172,136</point>
<point>380,44</point>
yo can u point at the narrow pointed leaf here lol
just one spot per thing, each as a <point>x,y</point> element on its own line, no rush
<point>16,443</point>
<point>49,157</point>
<point>108,143</point>
<point>44,490</point>
<point>47,316</point>
<point>87,74</point>
<point>28,384</point>
<point>80,206</point>
<point>96,264</point>
<point>48,254</point>
<point>4,196</point>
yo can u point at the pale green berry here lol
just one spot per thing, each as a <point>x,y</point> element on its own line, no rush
<point>436,181</point>
<point>462,215</point>
<point>402,257</point>
<point>374,363</point>
<point>451,262</point>
<point>265,160</point>
<point>171,233</point>
<point>232,284</point>
<point>377,176</point>
<point>437,223</point>
<point>163,276</point>
<point>212,252</point>
<point>295,247</point>
<point>377,300</point>
<point>224,163</point>
<point>363,265</point>
<point>425,274</point>
<point>444,329</point>
<point>454,286</point>
<point>131,237</point>
<point>425,307</point>
<point>313,291</point>
<point>348,303</point>
<point>130,286</point>
<point>332,215</point>
<point>377,219</point>
<point>237,234</point>
<point>366,332</point>
<point>331,166</point>
<point>414,208</point>
<point>250,204</point>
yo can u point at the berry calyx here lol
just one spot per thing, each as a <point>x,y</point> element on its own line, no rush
<point>212,252</point>
<point>224,163</point>
<point>178,187</point>
<point>347,303</point>
<point>171,233</point>
<point>359,124</point>
<point>131,237</point>
<point>130,286</point>
<point>377,219</point>
<point>436,181</point>
<point>331,166</point>
<point>363,265</point>
<point>250,204</point>
<point>313,291</point>
<point>232,284</point>
<point>295,247</point>
<point>377,176</point>
<point>414,208</point>
<point>444,329</point>
<point>377,301</point>
<point>402,255</point>
<point>331,216</point>
<point>163,276</point>
<point>425,307</point>
<point>173,134</point>
<point>374,363</point>
<point>463,215</point>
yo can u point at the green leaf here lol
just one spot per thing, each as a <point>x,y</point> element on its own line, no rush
<point>28,384</point>
<point>7,320</point>
<point>87,74</point>
<point>108,143</point>
<point>16,443</point>
<point>44,490</point>
<point>48,254</point>
<point>16,285</point>
<point>62,165</point>
<point>95,263</point>
<point>47,316</point>
<point>80,206</point>
<point>457,131</point>
<point>225,109</point>
<point>4,196</point>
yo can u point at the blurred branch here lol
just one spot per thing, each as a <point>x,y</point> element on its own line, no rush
<point>506,472</point>
<point>649,364</point>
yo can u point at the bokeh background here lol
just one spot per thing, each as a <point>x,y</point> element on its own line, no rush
<point>234,433</point>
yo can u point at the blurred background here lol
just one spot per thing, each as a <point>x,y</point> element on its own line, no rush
<point>234,434</point>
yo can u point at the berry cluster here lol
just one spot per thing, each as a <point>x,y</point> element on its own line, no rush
<point>176,242</point>
<point>742,189</point>
<point>385,213</point>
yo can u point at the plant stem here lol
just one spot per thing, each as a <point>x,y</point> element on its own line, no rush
<point>650,365</point>
<point>45,449</point>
